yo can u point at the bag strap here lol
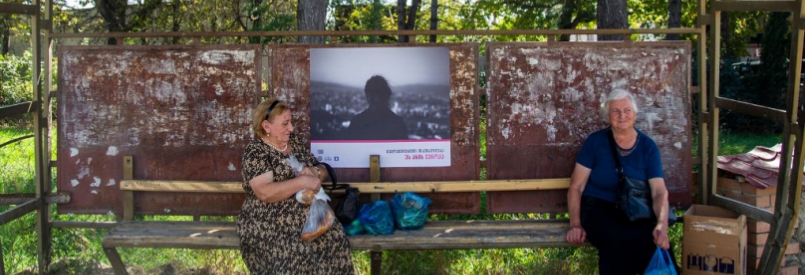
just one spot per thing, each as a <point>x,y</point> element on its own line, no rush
<point>333,178</point>
<point>618,166</point>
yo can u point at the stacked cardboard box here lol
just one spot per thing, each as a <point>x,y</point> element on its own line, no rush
<point>735,187</point>
<point>713,241</point>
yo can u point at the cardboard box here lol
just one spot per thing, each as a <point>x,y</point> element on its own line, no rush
<point>713,241</point>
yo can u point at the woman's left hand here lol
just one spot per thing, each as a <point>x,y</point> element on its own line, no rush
<point>661,236</point>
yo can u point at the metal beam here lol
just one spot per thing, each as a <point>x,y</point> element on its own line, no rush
<point>749,210</point>
<point>376,33</point>
<point>769,113</point>
<point>18,109</point>
<point>15,199</point>
<point>15,8</point>
<point>15,140</point>
<point>19,211</point>
<point>789,183</point>
<point>776,5</point>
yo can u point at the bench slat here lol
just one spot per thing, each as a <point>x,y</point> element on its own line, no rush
<point>364,187</point>
<point>435,235</point>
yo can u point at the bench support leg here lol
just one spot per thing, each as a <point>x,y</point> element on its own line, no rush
<point>377,259</point>
<point>115,261</point>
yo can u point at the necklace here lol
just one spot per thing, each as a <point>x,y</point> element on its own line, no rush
<point>626,152</point>
<point>275,147</point>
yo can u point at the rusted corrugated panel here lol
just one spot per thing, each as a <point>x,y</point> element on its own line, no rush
<point>181,111</point>
<point>544,99</point>
<point>760,167</point>
<point>290,79</point>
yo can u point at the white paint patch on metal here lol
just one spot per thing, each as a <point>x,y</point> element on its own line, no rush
<point>111,151</point>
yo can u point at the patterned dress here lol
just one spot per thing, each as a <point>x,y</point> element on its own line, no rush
<point>270,233</point>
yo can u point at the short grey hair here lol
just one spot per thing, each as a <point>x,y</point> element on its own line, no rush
<point>616,94</point>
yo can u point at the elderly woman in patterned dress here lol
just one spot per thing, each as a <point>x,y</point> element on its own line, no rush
<point>270,220</point>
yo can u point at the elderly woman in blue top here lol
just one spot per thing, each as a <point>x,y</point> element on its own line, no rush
<point>624,247</point>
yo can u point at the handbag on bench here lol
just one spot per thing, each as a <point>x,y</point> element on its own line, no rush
<point>347,208</point>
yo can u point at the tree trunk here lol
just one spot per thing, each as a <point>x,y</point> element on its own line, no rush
<point>726,50</point>
<point>434,18</point>
<point>114,13</point>
<point>401,20</point>
<point>175,8</point>
<point>310,15</point>
<point>566,18</point>
<point>611,14</point>
<point>5,23</point>
<point>674,18</point>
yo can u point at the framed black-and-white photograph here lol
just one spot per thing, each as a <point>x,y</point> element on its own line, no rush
<point>387,101</point>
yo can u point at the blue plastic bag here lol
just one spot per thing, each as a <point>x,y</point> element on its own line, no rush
<point>376,218</point>
<point>661,264</point>
<point>410,210</point>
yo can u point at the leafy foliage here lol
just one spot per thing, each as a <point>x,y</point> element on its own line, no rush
<point>15,76</point>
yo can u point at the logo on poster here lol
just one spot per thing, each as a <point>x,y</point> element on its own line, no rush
<point>335,158</point>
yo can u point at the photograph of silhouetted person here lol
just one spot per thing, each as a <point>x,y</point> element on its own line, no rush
<point>377,122</point>
<point>372,95</point>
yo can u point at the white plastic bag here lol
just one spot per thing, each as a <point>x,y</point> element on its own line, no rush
<point>319,218</point>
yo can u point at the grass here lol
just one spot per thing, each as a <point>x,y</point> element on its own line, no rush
<point>83,245</point>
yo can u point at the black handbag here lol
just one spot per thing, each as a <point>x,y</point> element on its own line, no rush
<point>347,208</point>
<point>634,196</point>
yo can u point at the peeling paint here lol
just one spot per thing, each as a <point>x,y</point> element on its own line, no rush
<point>74,182</point>
<point>73,152</point>
<point>96,181</point>
<point>111,151</point>
<point>231,167</point>
<point>111,182</point>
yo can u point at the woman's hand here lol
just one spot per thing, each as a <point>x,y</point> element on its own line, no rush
<point>308,171</point>
<point>576,235</point>
<point>661,236</point>
<point>310,181</point>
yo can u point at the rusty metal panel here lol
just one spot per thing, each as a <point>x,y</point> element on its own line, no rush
<point>543,101</point>
<point>290,81</point>
<point>181,111</point>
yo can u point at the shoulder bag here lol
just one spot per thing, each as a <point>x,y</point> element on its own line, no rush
<point>634,196</point>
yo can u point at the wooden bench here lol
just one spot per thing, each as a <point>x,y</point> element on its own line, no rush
<point>467,234</point>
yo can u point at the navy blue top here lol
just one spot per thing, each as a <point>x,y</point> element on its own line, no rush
<point>642,163</point>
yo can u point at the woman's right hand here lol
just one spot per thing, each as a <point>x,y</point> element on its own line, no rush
<point>576,235</point>
<point>310,182</point>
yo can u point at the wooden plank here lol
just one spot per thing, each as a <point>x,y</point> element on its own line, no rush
<point>115,261</point>
<point>14,8</point>
<point>742,5</point>
<point>18,109</point>
<point>769,113</point>
<point>435,235</point>
<point>19,211</point>
<point>69,224</point>
<point>364,187</point>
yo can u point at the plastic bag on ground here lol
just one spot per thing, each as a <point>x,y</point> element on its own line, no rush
<point>661,264</point>
<point>319,218</point>
<point>376,218</point>
<point>410,210</point>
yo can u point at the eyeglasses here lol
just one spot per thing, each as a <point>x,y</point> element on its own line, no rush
<point>271,108</point>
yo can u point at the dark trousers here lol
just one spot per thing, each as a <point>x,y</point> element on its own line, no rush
<point>624,247</point>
